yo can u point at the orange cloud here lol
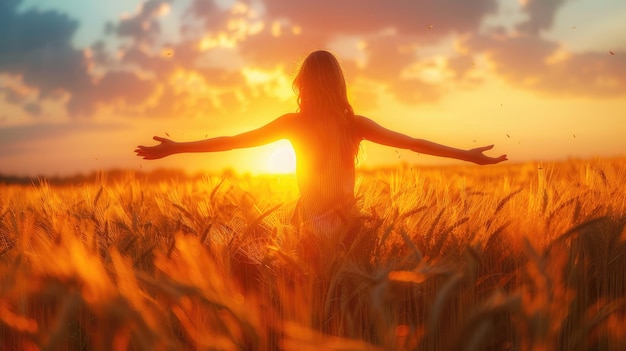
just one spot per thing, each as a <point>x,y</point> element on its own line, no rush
<point>540,65</point>
<point>266,39</point>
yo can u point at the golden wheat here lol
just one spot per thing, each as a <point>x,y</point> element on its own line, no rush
<point>517,257</point>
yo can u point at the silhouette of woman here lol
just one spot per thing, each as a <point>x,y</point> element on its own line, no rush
<point>325,134</point>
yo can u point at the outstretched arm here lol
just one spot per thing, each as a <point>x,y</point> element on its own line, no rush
<point>275,130</point>
<point>374,132</point>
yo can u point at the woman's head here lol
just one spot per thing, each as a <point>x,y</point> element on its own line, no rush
<point>320,84</point>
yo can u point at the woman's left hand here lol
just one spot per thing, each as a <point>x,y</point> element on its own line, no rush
<point>477,156</point>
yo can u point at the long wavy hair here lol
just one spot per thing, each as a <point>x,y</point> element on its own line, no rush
<point>323,99</point>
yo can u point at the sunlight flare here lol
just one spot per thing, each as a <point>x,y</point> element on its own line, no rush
<point>282,159</point>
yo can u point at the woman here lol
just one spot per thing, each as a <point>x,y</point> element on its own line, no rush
<point>325,134</point>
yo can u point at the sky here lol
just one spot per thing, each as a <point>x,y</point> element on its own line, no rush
<point>82,82</point>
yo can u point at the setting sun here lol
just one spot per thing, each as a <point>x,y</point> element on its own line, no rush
<point>282,159</point>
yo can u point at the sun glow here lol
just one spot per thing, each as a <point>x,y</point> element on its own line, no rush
<point>282,159</point>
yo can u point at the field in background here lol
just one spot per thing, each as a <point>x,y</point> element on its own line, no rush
<point>513,257</point>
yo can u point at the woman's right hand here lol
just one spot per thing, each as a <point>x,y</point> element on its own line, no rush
<point>165,147</point>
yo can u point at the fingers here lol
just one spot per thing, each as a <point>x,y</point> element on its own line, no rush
<point>150,152</point>
<point>485,148</point>
<point>142,151</point>
<point>146,156</point>
<point>501,158</point>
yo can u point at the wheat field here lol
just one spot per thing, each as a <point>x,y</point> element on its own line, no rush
<point>511,257</point>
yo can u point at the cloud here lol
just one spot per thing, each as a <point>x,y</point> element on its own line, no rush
<point>37,48</point>
<point>541,15</point>
<point>391,33</point>
<point>115,87</point>
<point>542,66</point>
<point>143,26</point>
<point>408,17</point>
<point>214,17</point>
<point>99,54</point>
<point>33,108</point>
<point>204,70</point>
<point>13,95</point>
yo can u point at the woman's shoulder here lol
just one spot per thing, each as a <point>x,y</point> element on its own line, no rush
<point>286,121</point>
<point>360,119</point>
<point>295,121</point>
<point>288,118</point>
<point>290,124</point>
<point>362,123</point>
